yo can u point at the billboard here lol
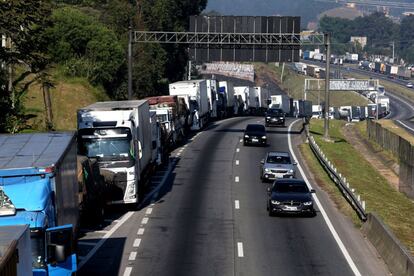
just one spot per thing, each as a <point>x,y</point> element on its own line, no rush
<point>249,51</point>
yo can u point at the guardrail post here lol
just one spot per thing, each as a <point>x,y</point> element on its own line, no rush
<point>363,205</point>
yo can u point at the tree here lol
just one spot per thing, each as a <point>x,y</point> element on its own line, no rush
<point>23,23</point>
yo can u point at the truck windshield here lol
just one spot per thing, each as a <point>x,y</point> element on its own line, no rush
<point>107,144</point>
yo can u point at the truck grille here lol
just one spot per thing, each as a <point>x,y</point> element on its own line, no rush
<point>116,183</point>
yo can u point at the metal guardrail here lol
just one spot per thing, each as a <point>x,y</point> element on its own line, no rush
<point>355,200</point>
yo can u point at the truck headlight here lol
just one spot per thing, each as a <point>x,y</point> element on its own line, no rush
<point>307,203</point>
<point>263,137</point>
<point>267,117</point>
<point>275,202</point>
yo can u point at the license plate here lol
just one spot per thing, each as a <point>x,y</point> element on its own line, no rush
<point>255,140</point>
<point>291,208</point>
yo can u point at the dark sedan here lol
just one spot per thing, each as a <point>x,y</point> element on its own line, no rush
<point>290,196</point>
<point>255,134</point>
<point>275,116</point>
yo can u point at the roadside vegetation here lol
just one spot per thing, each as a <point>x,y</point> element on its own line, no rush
<point>393,207</point>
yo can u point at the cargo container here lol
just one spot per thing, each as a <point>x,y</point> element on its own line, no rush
<point>212,89</point>
<point>282,102</point>
<point>195,95</point>
<point>302,108</point>
<point>39,187</point>
<point>227,88</point>
<point>403,73</point>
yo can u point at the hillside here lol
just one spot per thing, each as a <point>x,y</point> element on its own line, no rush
<point>67,96</point>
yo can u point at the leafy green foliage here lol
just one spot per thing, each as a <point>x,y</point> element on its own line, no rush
<point>87,47</point>
<point>23,23</point>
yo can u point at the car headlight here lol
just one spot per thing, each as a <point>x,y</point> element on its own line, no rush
<point>246,136</point>
<point>275,202</point>
<point>267,170</point>
<point>307,203</point>
<point>291,171</point>
<point>267,117</point>
<point>263,137</point>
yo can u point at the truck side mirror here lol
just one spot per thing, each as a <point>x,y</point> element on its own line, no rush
<point>59,243</point>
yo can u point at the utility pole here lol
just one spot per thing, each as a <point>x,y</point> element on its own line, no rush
<point>189,69</point>
<point>327,77</point>
<point>393,52</point>
<point>130,63</point>
<point>9,45</point>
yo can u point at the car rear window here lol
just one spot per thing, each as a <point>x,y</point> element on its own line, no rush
<point>278,160</point>
<point>255,128</point>
<point>290,188</point>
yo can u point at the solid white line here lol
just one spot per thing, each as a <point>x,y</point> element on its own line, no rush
<point>322,210</point>
<point>237,204</point>
<point>240,252</point>
<point>410,128</point>
<point>237,150</point>
<point>148,211</point>
<point>144,221</point>
<point>236,179</point>
<point>141,231</point>
<point>87,243</point>
<point>132,256</point>
<point>237,162</point>
<point>127,271</point>
<point>137,242</point>
<point>104,238</point>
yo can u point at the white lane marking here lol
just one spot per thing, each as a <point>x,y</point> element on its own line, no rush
<point>132,256</point>
<point>240,252</point>
<point>87,243</point>
<point>127,271</point>
<point>137,242</point>
<point>237,204</point>
<point>181,150</point>
<point>144,221</point>
<point>236,179</point>
<point>141,231</point>
<point>105,237</point>
<point>148,211</point>
<point>404,124</point>
<point>241,140</point>
<point>237,162</point>
<point>237,150</point>
<point>322,210</point>
<point>178,154</point>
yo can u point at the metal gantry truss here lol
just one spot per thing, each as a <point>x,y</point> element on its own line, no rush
<point>245,39</point>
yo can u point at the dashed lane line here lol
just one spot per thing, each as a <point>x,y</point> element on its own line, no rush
<point>141,231</point>
<point>240,252</point>
<point>127,271</point>
<point>237,162</point>
<point>236,179</point>
<point>132,256</point>
<point>237,204</point>
<point>237,150</point>
<point>137,243</point>
<point>144,221</point>
<point>105,237</point>
<point>148,211</point>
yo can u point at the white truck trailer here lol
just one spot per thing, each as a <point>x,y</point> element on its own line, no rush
<point>119,135</point>
<point>212,97</point>
<point>195,95</point>
<point>227,88</point>
<point>280,101</point>
<point>249,96</point>
<point>302,108</point>
<point>263,98</point>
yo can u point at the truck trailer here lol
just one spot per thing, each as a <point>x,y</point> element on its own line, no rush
<point>38,180</point>
<point>227,88</point>
<point>281,101</point>
<point>119,135</point>
<point>195,95</point>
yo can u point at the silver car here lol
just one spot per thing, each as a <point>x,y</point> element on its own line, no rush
<point>277,165</point>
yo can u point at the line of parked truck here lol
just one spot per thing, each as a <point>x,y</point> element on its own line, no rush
<point>53,181</point>
<point>393,71</point>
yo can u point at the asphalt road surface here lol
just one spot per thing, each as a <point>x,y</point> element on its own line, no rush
<point>210,218</point>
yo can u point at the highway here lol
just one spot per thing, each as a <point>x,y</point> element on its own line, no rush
<point>209,218</point>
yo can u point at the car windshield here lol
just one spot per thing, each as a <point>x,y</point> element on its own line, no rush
<point>273,111</point>
<point>278,160</point>
<point>290,188</point>
<point>255,128</point>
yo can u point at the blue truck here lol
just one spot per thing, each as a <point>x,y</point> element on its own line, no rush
<point>39,188</point>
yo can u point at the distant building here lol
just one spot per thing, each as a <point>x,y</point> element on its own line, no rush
<point>362,40</point>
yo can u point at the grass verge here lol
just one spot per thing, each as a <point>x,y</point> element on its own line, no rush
<point>393,207</point>
<point>68,95</point>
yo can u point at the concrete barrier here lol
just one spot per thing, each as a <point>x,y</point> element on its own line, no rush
<point>396,256</point>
